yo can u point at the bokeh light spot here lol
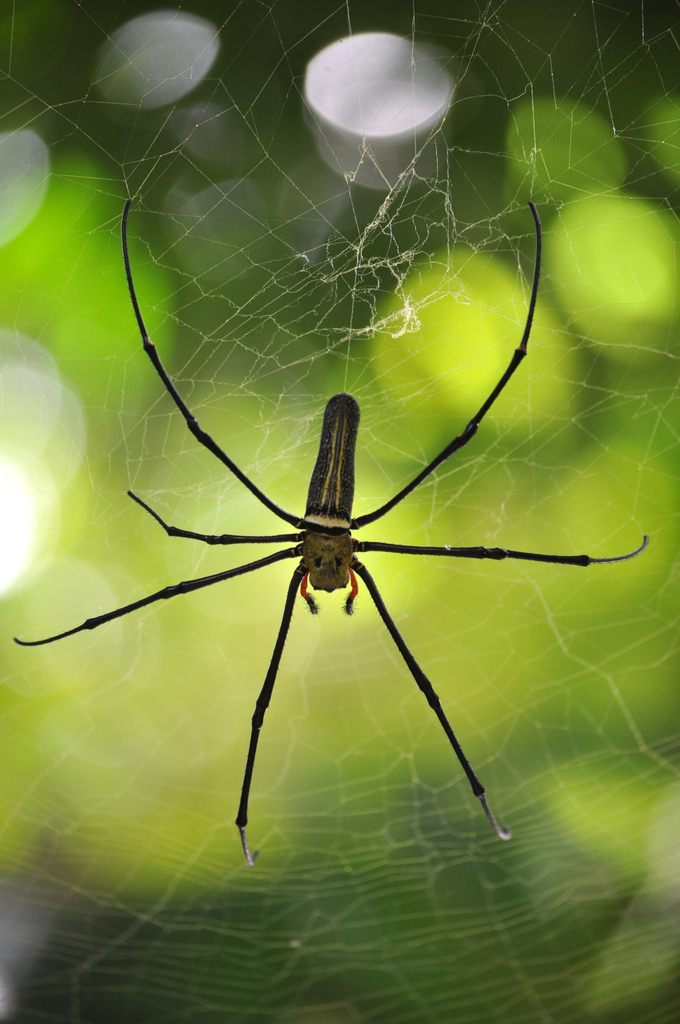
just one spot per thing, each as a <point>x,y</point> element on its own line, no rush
<point>614,263</point>
<point>664,129</point>
<point>374,99</point>
<point>17,522</point>
<point>562,150</point>
<point>24,171</point>
<point>157,58</point>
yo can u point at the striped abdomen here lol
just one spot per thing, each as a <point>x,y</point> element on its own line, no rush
<point>331,489</point>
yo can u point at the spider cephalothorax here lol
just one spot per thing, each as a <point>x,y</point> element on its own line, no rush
<point>325,547</point>
<point>327,560</point>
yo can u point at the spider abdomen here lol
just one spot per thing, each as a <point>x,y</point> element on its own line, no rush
<point>331,489</point>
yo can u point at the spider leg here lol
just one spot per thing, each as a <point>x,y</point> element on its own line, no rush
<point>430,695</point>
<point>261,705</point>
<point>311,603</point>
<point>192,423</point>
<point>471,429</point>
<point>209,538</point>
<point>498,554</point>
<point>186,587</point>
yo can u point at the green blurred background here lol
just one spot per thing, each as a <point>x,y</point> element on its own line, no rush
<point>380,893</point>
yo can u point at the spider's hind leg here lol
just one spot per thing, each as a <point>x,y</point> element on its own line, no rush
<point>261,705</point>
<point>426,688</point>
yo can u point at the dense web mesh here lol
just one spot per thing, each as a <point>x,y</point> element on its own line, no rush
<point>272,273</point>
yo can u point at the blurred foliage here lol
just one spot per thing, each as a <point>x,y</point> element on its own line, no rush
<point>561,151</point>
<point>268,285</point>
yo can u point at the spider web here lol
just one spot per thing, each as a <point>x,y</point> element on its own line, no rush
<point>269,282</point>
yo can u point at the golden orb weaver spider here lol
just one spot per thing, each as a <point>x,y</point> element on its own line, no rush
<point>325,546</point>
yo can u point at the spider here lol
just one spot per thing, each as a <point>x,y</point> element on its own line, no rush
<point>326,550</point>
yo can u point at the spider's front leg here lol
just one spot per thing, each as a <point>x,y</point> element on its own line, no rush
<point>201,435</point>
<point>470,430</point>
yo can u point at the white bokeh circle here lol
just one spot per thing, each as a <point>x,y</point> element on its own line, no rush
<point>374,100</point>
<point>157,58</point>
<point>24,172</point>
